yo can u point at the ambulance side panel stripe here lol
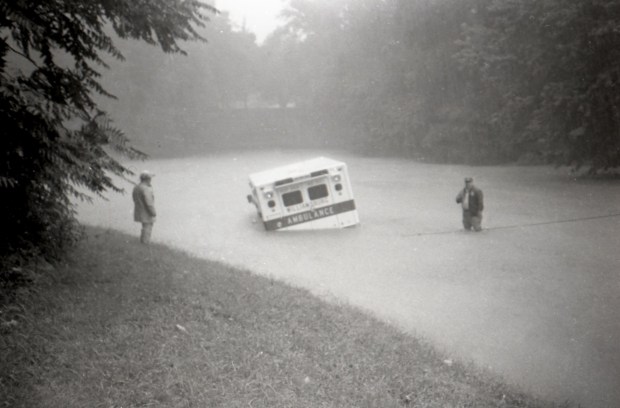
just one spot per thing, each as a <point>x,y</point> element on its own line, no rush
<point>310,215</point>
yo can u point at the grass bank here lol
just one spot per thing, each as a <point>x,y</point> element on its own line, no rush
<point>122,325</point>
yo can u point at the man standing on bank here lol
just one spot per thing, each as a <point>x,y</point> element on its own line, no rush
<point>144,206</point>
<point>472,201</point>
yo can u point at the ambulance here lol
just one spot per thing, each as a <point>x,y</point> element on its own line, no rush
<point>312,194</point>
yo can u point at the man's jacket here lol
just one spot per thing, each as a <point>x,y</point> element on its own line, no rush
<point>476,200</point>
<point>144,203</point>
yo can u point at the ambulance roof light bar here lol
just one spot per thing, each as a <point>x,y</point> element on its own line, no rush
<point>290,180</point>
<point>283,181</point>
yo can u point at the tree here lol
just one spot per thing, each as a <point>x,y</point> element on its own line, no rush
<point>384,67</point>
<point>478,81</point>
<point>56,143</point>
<point>554,69</point>
<point>280,74</point>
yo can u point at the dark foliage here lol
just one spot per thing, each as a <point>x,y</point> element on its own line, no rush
<point>476,81</point>
<point>56,145</point>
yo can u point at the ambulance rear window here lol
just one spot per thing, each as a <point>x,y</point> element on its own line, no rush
<point>292,198</point>
<point>318,191</point>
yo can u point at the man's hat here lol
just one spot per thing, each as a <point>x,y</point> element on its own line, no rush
<point>468,179</point>
<point>146,175</point>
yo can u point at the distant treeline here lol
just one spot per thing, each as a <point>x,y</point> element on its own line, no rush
<point>475,81</point>
<point>467,80</point>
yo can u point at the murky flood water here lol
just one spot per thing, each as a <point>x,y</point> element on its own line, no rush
<point>535,297</point>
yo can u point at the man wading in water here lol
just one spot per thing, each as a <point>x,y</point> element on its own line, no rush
<point>472,201</point>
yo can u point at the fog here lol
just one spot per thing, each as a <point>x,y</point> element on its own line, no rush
<point>411,96</point>
<point>446,81</point>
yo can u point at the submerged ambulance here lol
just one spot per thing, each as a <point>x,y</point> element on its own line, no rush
<point>312,194</point>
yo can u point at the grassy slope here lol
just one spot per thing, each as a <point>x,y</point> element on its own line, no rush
<point>122,325</point>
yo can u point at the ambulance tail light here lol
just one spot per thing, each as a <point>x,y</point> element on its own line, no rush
<point>268,195</point>
<point>336,178</point>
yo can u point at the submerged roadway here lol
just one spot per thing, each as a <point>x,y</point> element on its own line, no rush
<point>534,298</point>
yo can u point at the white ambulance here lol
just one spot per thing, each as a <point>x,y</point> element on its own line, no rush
<point>312,194</point>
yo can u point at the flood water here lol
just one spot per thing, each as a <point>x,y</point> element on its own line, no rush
<point>534,298</point>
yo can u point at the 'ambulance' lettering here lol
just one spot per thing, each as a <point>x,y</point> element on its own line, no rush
<point>310,215</point>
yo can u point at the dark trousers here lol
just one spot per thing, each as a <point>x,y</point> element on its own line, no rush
<point>145,235</point>
<point>472,221</point>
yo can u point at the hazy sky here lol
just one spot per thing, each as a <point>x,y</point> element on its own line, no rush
<point>260,15</point>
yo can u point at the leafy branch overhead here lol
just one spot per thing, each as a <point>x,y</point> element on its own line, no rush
<point>55,142</point>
